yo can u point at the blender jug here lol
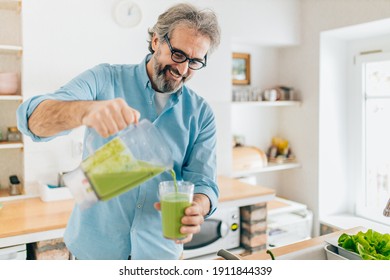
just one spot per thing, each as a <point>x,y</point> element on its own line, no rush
<point>135,155</point>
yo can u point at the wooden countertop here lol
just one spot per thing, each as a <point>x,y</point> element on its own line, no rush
<point>232,189</point>
<point>316,241</point>
<point>32,215</point>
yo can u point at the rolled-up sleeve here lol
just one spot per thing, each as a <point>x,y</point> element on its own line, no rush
<point>24,112</point>
<point>85,86</point>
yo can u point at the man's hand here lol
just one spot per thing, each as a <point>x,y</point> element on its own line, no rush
<point>193,216</point>
<point>108,117</point>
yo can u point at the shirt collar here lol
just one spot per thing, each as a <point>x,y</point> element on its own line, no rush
<point>144,73</point>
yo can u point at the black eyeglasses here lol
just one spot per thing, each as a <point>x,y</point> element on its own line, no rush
<point>179,56</point>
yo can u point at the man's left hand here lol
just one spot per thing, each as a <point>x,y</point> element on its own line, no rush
<point>193,217</point>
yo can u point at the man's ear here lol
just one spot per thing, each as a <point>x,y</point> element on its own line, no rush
<point>155,42</point>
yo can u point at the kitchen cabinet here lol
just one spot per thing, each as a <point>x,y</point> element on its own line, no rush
<point>11,53</point>
<point>17,252</point>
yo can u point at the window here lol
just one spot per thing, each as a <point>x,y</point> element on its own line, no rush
<point>373,74</point>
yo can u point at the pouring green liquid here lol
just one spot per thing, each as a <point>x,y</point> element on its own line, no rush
<point>173,174</point>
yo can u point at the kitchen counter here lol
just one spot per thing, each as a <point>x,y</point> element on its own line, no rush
<point>32,220</point>
<point>236,193</point>
<point>311,249</point>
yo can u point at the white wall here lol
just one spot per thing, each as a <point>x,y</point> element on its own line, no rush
<point>333,129</point>
<point>302,71</point>
<point>63,38</point>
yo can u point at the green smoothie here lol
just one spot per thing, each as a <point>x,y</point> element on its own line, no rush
<point>113,170</point>
<point>172,210</point>
<point>109,185</point>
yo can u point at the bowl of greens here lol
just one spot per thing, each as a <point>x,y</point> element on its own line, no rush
<point>370,245</point>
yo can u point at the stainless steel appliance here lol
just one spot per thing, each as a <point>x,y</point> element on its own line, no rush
<point>220,231</point>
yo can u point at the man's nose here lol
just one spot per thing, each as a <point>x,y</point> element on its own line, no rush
<point>183,68</point>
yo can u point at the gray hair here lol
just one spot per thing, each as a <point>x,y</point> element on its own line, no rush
<point>203,21</point>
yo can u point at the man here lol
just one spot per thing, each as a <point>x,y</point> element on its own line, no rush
<point>107,98</point>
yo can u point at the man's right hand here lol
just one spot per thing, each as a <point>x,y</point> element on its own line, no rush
<point>108,117</point>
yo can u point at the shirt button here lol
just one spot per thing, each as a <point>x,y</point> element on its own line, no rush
<point>139,206</point>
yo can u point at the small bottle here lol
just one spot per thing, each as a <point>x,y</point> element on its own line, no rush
<point>13,134</point>
<point>14,185</point>
<point>135,155</point>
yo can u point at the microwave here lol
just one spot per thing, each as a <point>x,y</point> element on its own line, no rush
<point>220,231</point>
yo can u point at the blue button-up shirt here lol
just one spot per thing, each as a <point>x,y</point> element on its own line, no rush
<point>129,224</point>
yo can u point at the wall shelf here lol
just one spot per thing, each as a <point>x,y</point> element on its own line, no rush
<point>267,103</point>
<point>269,168</point>
<point>9,145</point>
<point>11,5</point>
<point>11,59</point>
<point>11,98</point>
<point>11,49</point>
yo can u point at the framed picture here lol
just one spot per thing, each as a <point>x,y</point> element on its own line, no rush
<point>241,71</point>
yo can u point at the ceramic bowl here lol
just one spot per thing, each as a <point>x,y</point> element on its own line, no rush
<point>8,83</point>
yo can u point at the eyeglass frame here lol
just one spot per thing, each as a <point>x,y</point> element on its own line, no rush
<point>173,51</point>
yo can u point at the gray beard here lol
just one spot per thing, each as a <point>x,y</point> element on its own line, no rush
<point>162,84</point>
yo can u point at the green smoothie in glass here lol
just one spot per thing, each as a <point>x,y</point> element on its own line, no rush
<point>175,197</point>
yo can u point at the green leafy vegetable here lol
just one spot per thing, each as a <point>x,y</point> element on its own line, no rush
<point>371,245</point>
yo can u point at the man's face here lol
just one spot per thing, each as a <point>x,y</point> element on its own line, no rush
<point>168,76</point>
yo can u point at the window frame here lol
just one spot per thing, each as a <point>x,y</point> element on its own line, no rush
<point>359,113</point>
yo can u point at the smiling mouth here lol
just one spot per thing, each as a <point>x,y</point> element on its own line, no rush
<point>175,74</point>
